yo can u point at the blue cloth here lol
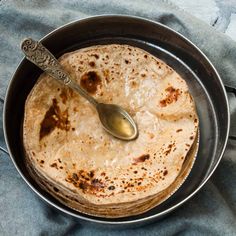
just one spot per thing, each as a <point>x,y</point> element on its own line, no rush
<point>210,212</point>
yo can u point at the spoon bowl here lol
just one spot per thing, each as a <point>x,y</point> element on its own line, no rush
<point>117,121</point>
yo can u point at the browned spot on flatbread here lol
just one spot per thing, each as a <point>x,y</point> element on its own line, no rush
<point>134,84</point>
<point>63,96</point>
<point>86,181</point>
<point>54,118</point>
<point>168,150</point>
<point>71,93</point>
<point>111,187</point>
<point>92,63</point>
<point>75,176</point>
<point>142,158</point>
<point>179,130</point>
<point>172,96</point>
<point>95,55</point>
<point>54,165</point>
<point>55,189</point>
<point>91,173</point>
<point>151,135</point>
<point>90,81</point>
<point>83,185</point>
<point>106,75</point>
<point>96,184</point>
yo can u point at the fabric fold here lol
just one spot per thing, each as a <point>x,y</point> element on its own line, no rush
<point>212,211</point>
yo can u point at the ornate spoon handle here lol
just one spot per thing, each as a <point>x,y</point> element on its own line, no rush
<point>41,57</point>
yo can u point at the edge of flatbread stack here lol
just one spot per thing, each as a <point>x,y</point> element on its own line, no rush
<point>70,155</point>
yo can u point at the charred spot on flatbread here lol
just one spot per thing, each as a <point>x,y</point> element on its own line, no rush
<point>90,81</point>
<point>54,118</point>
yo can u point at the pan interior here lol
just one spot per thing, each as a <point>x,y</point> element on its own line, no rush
<point>200,79</point>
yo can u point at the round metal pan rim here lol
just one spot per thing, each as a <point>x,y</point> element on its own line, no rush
<point>117,222</point>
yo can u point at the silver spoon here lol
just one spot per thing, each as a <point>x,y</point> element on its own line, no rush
<point>115,119</point>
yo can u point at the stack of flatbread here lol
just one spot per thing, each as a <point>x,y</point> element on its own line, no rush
<point>72,157</point>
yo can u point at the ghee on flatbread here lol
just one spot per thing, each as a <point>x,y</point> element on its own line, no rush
<point>72,157</point>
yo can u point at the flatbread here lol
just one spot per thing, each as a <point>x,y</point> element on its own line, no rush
<point>71,156</point>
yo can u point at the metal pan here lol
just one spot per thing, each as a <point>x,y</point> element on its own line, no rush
<point>178,52</point>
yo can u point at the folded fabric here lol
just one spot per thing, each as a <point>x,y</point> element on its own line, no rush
<point>211,212</point>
